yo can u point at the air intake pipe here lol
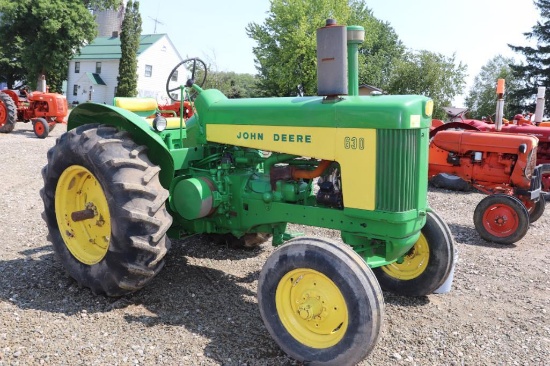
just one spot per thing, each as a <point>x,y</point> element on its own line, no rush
<point>539,109</point>
<point>500,105</point>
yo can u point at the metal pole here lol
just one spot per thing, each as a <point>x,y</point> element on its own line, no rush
<point>500,105</point>
<point>356,36</point>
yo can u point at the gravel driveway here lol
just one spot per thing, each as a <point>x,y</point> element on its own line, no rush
<point>202,309</point>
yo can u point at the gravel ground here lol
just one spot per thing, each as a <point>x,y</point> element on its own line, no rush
<point>202,309</point>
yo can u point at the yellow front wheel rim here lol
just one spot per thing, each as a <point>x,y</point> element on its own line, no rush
<point>82,213</point>
<point>311,308</point>
<point>414,263</point>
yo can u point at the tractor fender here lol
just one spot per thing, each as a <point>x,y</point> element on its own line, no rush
<point>452,125</point>
<point>142,133</point>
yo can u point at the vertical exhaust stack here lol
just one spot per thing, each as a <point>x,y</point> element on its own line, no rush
<point>356,36</point>
<point>331,60</point>
<point>539,109</point>
<point>41,84</point>
<point>500,105</point>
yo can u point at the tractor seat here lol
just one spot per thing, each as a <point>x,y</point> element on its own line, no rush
<point>146,108</point>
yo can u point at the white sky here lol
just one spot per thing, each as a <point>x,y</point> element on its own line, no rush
<point>474,30</point>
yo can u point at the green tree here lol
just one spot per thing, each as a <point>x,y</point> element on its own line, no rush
<point>430,74</point>
<point>481,99</point>
<point>233,85</point>
<point>130,36</point>
<point>535,71</point>
<point>286,50</point>
<point>40,37</point>
<point>11,68</point>
<point>380,51</point>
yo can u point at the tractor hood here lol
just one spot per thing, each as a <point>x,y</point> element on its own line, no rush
<point>376,112</point>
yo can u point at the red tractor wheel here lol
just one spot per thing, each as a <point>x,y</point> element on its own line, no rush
<point>501,219</point>
<point>8,113</point>
<point>41,128</point>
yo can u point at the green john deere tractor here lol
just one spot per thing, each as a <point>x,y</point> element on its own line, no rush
<point>117,185</point>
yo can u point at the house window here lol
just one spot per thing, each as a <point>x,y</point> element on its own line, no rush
<point>148,70</point>
<point>116,90</point>
<point>174,76</point>
<point>98,67</point>
<point>75,89</point>
<point>76,67</point>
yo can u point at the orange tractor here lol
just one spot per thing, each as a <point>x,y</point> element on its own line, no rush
<point>502,165</point>
<point>530,124</point>
<point>43,109</point>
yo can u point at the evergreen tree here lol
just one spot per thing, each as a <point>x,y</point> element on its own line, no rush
<point>129,45</point>
<point>536,70</point>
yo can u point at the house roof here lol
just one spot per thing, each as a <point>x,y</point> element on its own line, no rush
<point>95,78</point>
<point>370,87</point>
<point>108,48</point>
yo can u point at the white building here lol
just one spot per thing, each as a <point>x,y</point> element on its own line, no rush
<point>93,74</point>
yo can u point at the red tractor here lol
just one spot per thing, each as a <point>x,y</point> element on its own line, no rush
<point>44,110</point>
<point>529,125</point>
<point>175,108</point>
<point>500,164</point>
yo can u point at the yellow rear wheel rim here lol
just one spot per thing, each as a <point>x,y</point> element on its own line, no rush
<point>82,213</point>
<point>311,308</point>
<point>414,263</point>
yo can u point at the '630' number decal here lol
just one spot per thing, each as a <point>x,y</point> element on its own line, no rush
<point>354,143</point>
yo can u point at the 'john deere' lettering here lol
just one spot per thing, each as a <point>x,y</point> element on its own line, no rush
<point>250,135</point>
<point>289,137</point>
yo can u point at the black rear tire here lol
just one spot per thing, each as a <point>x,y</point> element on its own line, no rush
<point>320,302</point>
<point>451,182</point>
<point>537,211</point>
<point>137,244</point>
<point>427,264</point>
<point>8,113</point>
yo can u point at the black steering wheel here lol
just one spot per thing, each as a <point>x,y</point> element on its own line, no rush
<point>190,69</point>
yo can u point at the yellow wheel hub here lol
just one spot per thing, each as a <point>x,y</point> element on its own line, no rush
<point>414,263</point>
<point>311,308</point>
<point>82,213</point>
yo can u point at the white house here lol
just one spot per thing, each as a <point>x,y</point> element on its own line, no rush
<point>93,74</point>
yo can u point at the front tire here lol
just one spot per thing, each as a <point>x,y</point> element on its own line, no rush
<point>105,210</point>
<point>427,264</point>
<point>320,302</point>
<point>41,128</point>
<point>501,219</point>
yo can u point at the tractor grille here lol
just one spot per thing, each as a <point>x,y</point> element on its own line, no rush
<point>397,175</point>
